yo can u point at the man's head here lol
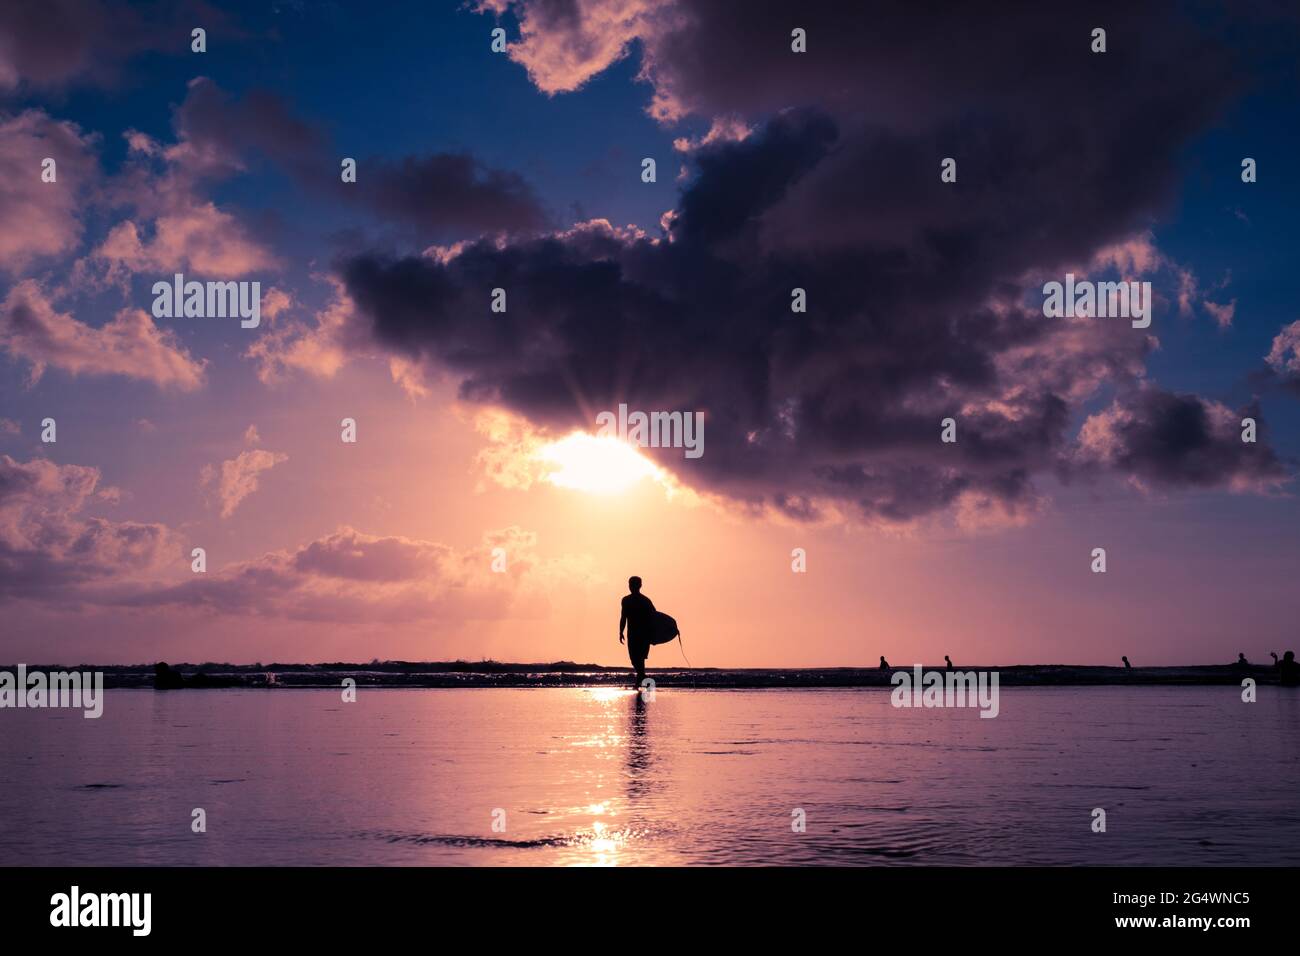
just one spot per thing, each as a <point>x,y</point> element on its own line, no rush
<point>634,584</point>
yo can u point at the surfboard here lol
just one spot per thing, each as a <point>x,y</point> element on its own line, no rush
<point>663,629</point>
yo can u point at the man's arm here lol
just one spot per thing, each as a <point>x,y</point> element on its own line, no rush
<point>622,623</point>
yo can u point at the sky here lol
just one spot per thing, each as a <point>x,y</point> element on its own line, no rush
<point>826,522</point>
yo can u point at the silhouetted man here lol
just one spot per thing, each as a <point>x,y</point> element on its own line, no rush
<point>638,619</point>
<point>1288,670</point>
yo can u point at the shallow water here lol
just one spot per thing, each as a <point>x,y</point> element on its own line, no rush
<point>590,776</point>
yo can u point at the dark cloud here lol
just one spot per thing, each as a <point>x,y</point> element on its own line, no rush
<point>225,129</point>
<point>922,302</point>
<point>447,195</point>
<point>909,68</point>
<point>55,43</point>
<point>433,197</point>
<point>1175,440</point>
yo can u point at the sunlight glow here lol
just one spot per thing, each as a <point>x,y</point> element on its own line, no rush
<point>596,465</point>
<point>606,695</point>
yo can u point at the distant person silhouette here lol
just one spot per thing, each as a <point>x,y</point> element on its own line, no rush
<point>947,662</point>
<point>884,664</point>
<point>638,620</point>
<point>1127,665</point>
<point>1241,660</point>
<point>164,678</point>
<point>1273,654</point>
<point>1288,670</point>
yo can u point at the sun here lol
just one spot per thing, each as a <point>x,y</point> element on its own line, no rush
<point>597,465</point>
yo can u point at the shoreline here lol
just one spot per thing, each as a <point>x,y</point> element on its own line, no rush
<point>448,674</point>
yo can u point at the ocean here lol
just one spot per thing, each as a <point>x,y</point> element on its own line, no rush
<point>595,776</point>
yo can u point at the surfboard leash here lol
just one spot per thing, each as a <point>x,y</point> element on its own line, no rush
<point>682,647</point>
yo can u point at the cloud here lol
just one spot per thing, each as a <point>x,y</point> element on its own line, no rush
<point>129,345</point>
<point>10,427</point>
<point>562,45</point>
<point>1137,258</point>
<point>48,212</point>
<point>198,238</point>
<point>216,132</point>
<point>1170,440</point>
<point>723,129</point>
<point>57,43</point>
<point>431,196</point>
<point>843,405</point>
<point>323,344</point>
<point>318,348</point>
<point>444,194</point>
<point>1223,313</point>
<point>238,477</point>
<point>1284,356</point>
<point>49,549</point>
<point>169,225</point>
<point>924,298</point>
<point>350,576</point>
<point>698,61</point>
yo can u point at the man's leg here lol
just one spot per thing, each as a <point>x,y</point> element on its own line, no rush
<point>637,653</point>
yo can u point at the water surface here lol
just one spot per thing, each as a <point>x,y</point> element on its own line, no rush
<point>592,776</point>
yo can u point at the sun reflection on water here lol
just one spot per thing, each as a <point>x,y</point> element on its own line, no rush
<point>617,731</point>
